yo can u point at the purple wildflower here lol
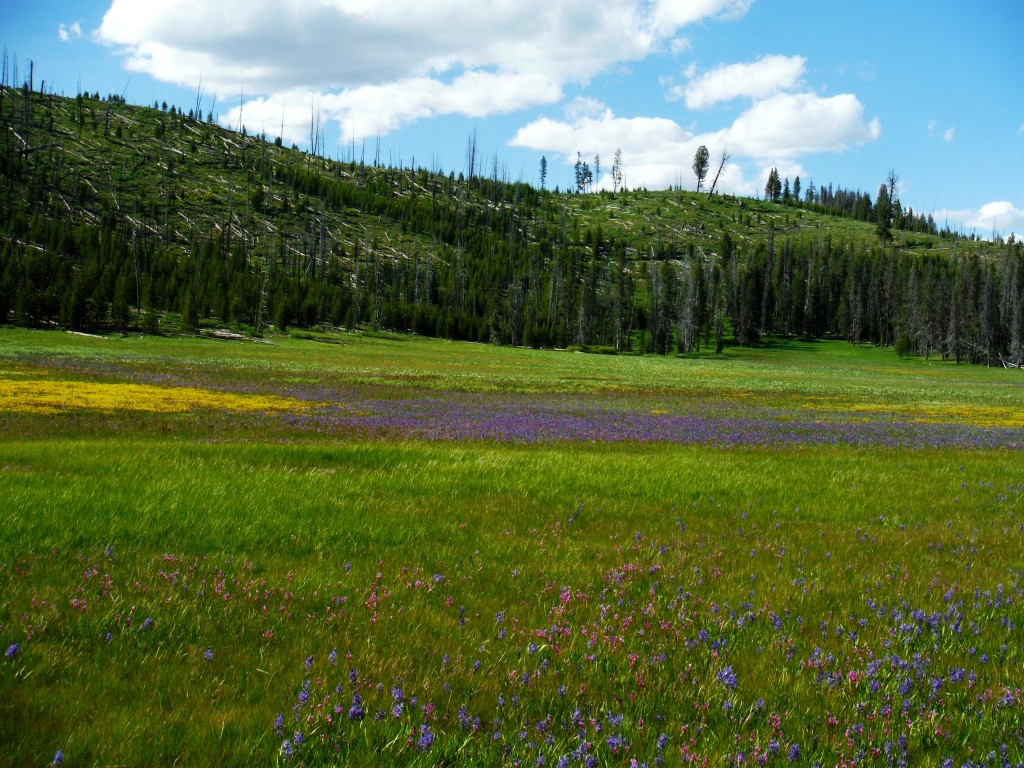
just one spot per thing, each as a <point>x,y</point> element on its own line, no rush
<point>12,651</point>
<point>727,678</point>
<point>356,711</point>
<point>426,738</point>
<point>208,654</point>
<point>59,757</point>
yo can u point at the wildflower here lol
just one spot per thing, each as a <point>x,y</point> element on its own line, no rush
<point>59,757</point>
<point>309,662</point>
<point>208,654</point>
<point>279,725</point>
<point>332,658</point>
<point>356,711</point>
<point>12,651</point>
<point>794,752</point>
<point>727,678</point>
<point>426,738</point>
<point>146,624</point>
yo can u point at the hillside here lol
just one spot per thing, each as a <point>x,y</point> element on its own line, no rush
<point>126,217</point>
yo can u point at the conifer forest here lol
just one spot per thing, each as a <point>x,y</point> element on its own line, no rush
<point>156,219</point>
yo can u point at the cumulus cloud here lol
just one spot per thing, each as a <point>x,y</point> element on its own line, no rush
<point>764,77</point>
<point>1000,217</point>
<point>788,125</point>
<point>365,56</point>
<point>375,110</point>
<point>776,131</point>
<point>69,32</point>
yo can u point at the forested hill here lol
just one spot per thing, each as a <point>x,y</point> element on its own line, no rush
<point>122,217</point>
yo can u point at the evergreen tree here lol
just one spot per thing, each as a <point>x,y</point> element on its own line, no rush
<point>701,160</point>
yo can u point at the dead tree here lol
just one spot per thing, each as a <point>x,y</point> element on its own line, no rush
<point>721,165</point>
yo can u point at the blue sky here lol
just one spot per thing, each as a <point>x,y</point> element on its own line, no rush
<point>834,92</point>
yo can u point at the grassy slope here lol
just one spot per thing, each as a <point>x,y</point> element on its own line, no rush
<point>211,173</point>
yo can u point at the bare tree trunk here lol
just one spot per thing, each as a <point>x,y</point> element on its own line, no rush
<point>721,165</point>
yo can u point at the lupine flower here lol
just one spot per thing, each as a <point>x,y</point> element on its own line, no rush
<point>12,651</point>
<point>426,738</point>
<point>59,757</point>
<point>726,677</point>
<point>208,654</point>
<point>356,711</point>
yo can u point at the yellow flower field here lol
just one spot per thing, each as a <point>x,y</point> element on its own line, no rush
<point>43,396</point>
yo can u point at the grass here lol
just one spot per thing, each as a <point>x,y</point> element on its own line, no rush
<point>171,582</point>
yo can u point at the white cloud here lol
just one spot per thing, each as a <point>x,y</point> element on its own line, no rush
<point>947,135</point>
<point>787,125</point>
<point>68,31</point>
<point>764,77</point>
<point>1000,217</point>
<point>375,110</point>
<point>582,106</point>
<point>658,152</point>
<point>390,62</point>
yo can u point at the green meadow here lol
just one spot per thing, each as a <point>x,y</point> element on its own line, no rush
<point>348,549</point>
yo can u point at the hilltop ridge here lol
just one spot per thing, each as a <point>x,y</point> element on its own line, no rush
<point>126,217</point>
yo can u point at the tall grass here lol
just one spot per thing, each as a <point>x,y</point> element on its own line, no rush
<point>167,591</point>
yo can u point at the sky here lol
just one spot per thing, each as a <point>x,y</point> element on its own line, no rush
<point>832,92</point>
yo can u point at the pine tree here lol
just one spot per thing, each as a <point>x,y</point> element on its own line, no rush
<point>701,160</point>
